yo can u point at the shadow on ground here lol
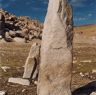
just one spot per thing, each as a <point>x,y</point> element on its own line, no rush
<point>85,90</point>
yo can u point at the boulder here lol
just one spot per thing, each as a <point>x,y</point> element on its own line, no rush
<point>19,33</point>
<point>19,40</point>
<point>12,33</point>
<point>8,37</point>
<point>5,68</point>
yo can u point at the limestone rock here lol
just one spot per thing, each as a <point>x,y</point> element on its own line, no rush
<point>19,81</point>
<point>12,33</point>
<point>2,93</point>
<point>56,50</point>
<point>18,40</point>
<point>8,37</point>
<point>19,33</point>
<point>0,36</point>
<point>30,68</point>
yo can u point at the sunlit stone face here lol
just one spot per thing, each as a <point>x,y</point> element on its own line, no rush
<point>56,50</point>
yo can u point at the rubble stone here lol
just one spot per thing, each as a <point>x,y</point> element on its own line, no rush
<point>2,93</point>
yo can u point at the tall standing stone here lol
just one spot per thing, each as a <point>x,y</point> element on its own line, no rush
<point>56,50</point>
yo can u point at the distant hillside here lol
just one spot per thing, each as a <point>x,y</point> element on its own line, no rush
<point>85,34</point>
<point>86,28</point>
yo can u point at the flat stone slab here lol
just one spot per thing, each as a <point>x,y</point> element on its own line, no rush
<point>2,92</point>
<point>19,81</point>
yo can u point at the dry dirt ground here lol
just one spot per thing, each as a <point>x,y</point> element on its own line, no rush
<point>13,55</point>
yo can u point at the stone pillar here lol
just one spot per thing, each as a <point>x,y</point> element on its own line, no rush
<point>56,50</point>
<point>32,62</point>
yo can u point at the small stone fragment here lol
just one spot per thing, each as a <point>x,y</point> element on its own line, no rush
<point>2,93</point>
<point>81,74</point>
<point>5,68</point>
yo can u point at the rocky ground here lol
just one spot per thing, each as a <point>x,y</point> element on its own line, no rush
<point>13,56</point>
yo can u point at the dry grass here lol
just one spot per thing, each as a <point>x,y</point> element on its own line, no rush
<point>86,28</point>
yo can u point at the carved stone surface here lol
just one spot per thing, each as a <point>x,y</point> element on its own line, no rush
<point>32,62</point>
<point>56,50</point>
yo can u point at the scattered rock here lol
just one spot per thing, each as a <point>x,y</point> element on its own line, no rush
<point>86,61</point>
<point>12,33</point>
<point>22,27</point>
<point>94,71</point>
<point>2,93</point>
<point>5,68</point>
<point>8,37</point>
<point>19,81</point>
<point>23,90</point>
<point>81,74</point>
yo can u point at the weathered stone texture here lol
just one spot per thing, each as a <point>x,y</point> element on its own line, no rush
<point>56,50</point>
<point>32,62</point>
